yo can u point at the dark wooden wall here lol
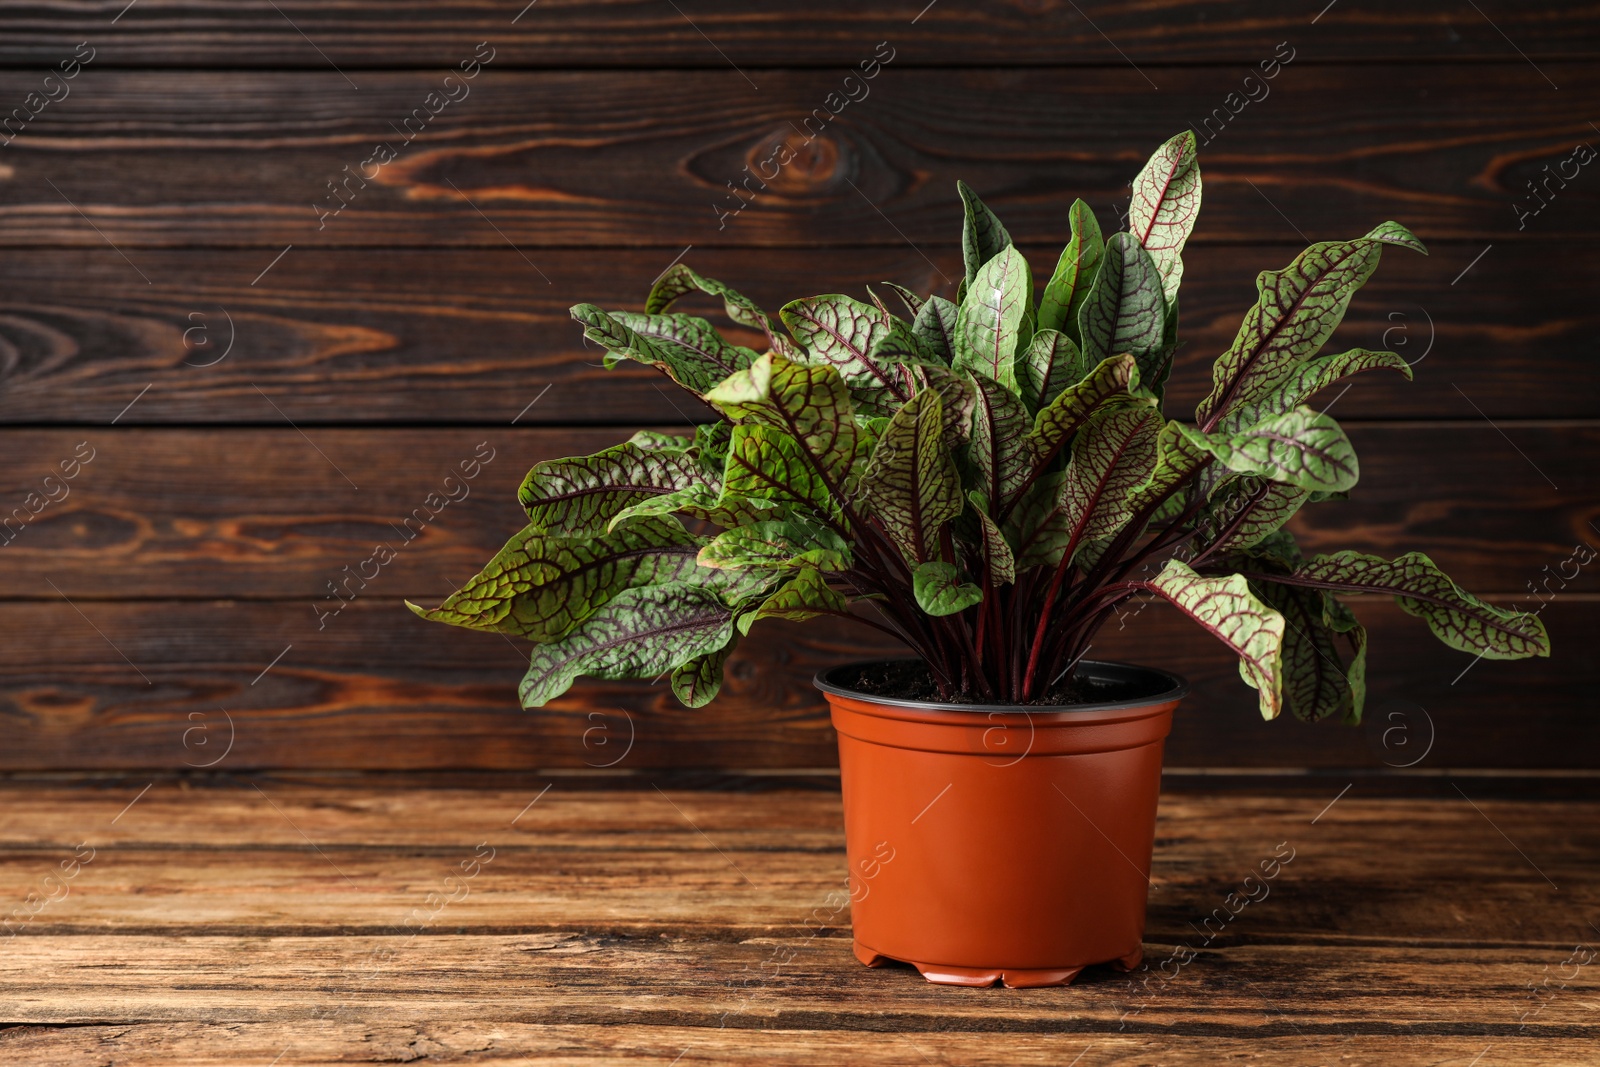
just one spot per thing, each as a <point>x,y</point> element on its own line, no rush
<point>162,211</point>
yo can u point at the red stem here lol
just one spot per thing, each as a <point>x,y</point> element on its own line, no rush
<point>1044,614</point>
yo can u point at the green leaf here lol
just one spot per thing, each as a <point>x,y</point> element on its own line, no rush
<point>911,300</point>
<point>1114,378</point>
<point>1166,200</point>
<point>1037,527</point>
<point>991,320</point>
<point>693,340</point>
<point>583,494</point>
<point>1392,233</point>
<point>541,587</point>
<point>1051,364</point>
<point>982,235</point>
<point>741,588</point>
<point>1304,381</point>
<point>702,499</point>
<point>697,682</point>
<point>901,349</point>
<point>680,279</point>
<point>935,327</point>
<point>859,340</point>
<point>656,441</point>
<point>641,633</point>
<point>1156,366</point>
<point>1317,683</point>
<point>1303,447</point>
<point>1125,310</point>
<point>705,502</point>
<point>1162,496</point>
<point>1227,608</point>
<point>1278,551</point>
<point>1070,284</point>
<point>1296,312</point>
<point>766,463</point>
<point>804,596</point>
<point>997,554</point>
<point>1244,510</point>
<point>1113,455</point>
<point>671,343</point>
<point>940,590</point>
<point>777,544</point>
<point>958,396</point>
<point>1178,459</point>
<point>910,482</point>
<point>1342,620</point>
<point>999,452</point>
<point>810,403</point>
<point>1455,616</point>
<point>711,440</point>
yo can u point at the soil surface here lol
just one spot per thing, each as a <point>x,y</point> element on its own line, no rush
<point>911,680</point>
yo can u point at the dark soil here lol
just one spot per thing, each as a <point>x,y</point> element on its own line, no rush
<point>911,680</point>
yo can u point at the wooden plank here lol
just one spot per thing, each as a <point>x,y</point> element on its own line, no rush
<point>252,512</point>
<point>472,336</point>
<point>357,35</point>
<point>277,516</point>
<point>276,860</point>
<point>645,158</point>
<point>601,982</point>
<point>40,815</point>
<point>210,925</point>
<point>380,689</point>
<point>504,1044</point>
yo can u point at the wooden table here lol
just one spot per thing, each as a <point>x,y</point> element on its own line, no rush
<point>266,921</point>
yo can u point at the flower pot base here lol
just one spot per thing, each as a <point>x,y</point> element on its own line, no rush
<point>1011,978</point>
<point>1002,844</point>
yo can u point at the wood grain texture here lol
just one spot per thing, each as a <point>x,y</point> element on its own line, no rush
<point>526,1044</point>
<point>563,976</point>
<point>246,512</point>
<point>380,689</point>
<point>644,158</point>
<point>570,859</point>
<point>174,197</point>
<point>355,35</point>
<point>242,923</point>
<point>362,337</point>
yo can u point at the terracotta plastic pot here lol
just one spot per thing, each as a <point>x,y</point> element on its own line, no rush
<point>1002,843</point>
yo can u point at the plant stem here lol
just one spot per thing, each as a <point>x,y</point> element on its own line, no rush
<point>1135,529</point>
<point>1045,610</point>
<point>1163,540</point>
<point>1048,606</point>
<point>983,619</point>
<point>1015,639</point>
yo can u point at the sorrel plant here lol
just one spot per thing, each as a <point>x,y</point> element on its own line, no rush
<point>986,479</point>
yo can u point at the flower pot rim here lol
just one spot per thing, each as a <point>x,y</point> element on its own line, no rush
<point>1106,670</point>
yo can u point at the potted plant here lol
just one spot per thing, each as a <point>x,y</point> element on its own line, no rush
<point>985,478</point>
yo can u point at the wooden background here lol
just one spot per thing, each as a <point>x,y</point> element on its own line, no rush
<point>162,214</point>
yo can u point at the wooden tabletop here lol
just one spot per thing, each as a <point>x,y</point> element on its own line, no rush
<point>275,922</point>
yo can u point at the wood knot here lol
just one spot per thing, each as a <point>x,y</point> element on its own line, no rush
<point>799,161</point>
